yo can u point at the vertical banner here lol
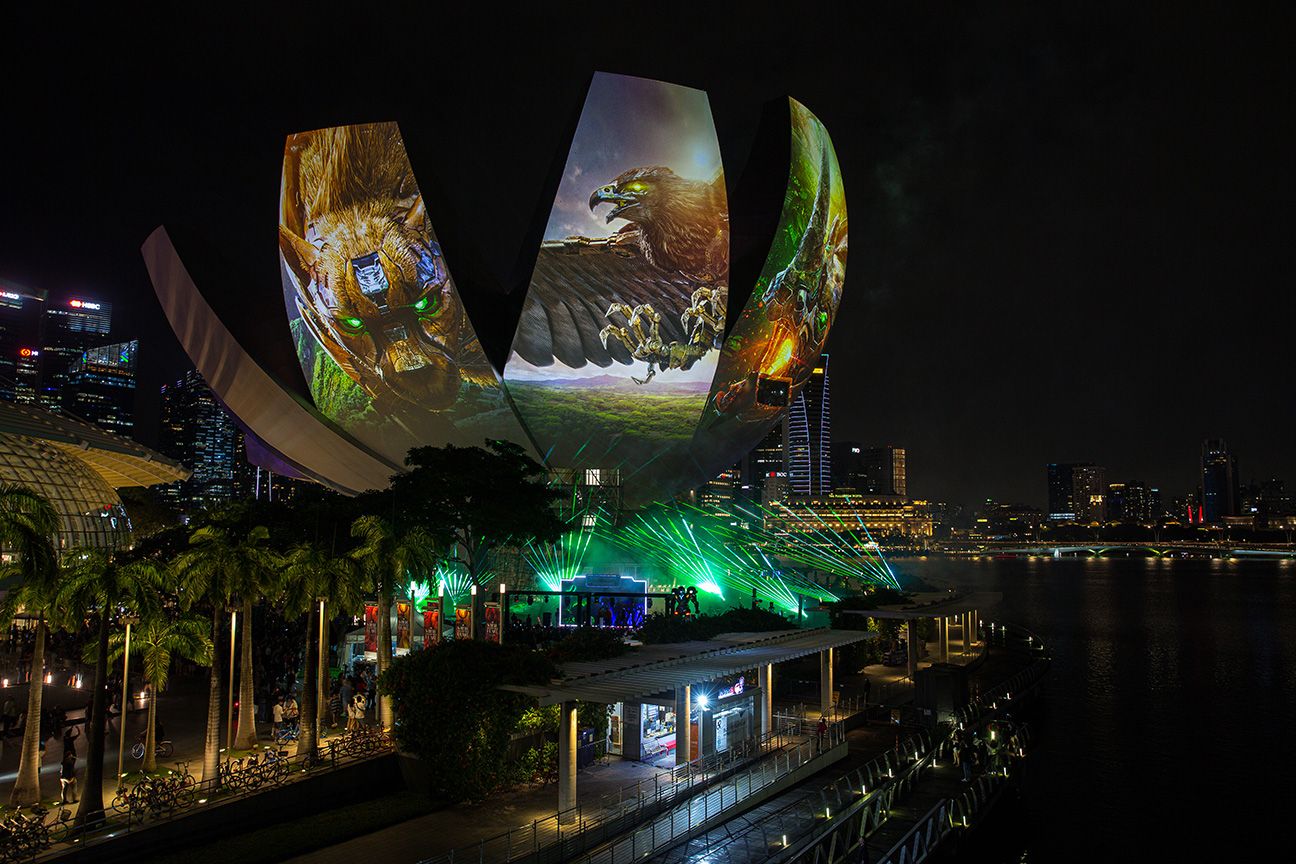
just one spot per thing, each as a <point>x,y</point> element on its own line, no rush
<point>432,626</point>
<point>371,630</point>
<point>463,622</point>
<point>491,623</point>
<point>403,640</point>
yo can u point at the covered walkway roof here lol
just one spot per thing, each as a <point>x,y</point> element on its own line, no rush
<point>650,669</point>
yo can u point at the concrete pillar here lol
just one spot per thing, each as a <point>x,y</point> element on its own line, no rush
<point>971,637</point>
<point>912,638</point>
<point>766,679</point>
<point>683,731</point>
<point>942,639</point>
<point>826,681</point>
<point>567,760</point>
<point>967,631</point>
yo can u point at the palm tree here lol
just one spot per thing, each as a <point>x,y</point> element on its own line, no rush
<point>28,522</point>
<point>387,560</point>
<point>216,570</point>
<point>103,582</point>
<point>162,634</point>
<point>309,579</point>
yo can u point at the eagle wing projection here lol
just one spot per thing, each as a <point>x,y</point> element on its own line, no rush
<point>575,283</point>
<point>655,291</point>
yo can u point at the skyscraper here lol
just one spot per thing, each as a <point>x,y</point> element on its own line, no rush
<point>1061,490</point>
<point>197,431</point>
<point>869,470</point>
<point>20,319</point>
<point>100,387</point>
<point>767,461</point>
<point>1219,481</point>
<point>1089,493</point>
<point>809,436</point>
<point>69,329</point>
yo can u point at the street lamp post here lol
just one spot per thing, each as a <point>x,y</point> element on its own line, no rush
<point>229,731</point>
<point>121,742</point>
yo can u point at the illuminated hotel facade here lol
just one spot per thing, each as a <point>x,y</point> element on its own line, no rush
<point>881,515</point>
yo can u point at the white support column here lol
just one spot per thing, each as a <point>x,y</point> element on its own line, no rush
<point>683,729</point>
<point>766,678</point>
<point>826,682</point>
<point>912,639</point>
<point>942,639</point>
<point>975,618</point>
<point>967,631</point>
<point>567,761</point>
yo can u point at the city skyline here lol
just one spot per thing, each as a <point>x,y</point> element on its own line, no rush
<point>1071,221</point>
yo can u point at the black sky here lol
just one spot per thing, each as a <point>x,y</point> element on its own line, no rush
<point>1071,223</point>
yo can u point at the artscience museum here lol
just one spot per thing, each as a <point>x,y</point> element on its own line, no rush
<point>670,316</point>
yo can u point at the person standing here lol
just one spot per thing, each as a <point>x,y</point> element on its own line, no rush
<point>10,714</point>
<point>821,730</point>
<point>67,778</point>
<point>69,741</point>
<point>276,718</point>
<point>335,707</point>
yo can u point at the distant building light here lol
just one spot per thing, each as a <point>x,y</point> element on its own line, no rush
<point>85,304</point>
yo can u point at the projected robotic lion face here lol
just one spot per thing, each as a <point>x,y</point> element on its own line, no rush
<point>371,283</point>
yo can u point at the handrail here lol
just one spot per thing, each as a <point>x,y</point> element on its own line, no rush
<point>593,823</point>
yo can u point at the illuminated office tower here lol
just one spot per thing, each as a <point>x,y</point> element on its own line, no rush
<point>1061,490</point>
<point>868,470</point>
<point>1089,493</point>
<point>99,387</point>
<point>69,328</point>
<point>808,437</point>
<point>1219,481</point>
<point>20,319</point>
<point>198,432</point>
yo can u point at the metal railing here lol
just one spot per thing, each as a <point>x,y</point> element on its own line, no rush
<point>862,803</point>
<point>923,838</point>
<point>126,819</point>
<point>679,823</point>
<point>589,824</point>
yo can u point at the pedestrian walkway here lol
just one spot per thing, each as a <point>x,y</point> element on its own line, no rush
<point>466,824</point>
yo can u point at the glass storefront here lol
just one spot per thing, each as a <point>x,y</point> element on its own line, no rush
<point>656,731</point>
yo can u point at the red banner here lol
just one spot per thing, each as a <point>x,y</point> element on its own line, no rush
<point>404,641</point>
<point>371,629</point>
<point>432,626</point>
<point>491,623</point>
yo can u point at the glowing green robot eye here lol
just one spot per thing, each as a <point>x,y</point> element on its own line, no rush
<point>429,306</point>
<point>354,322</point>
<point>422,304</point>
<point>351,325</point>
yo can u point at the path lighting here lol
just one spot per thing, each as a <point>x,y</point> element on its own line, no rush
<point>49,677</point>
<point>702,701</point>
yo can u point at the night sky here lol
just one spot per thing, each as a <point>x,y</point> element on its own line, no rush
<point>1071,223</point>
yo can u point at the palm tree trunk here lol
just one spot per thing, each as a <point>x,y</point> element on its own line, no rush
<point>309,704</point>
<point>211,747</point>
<point>386,716</point>
<point>90,810</point>
<point>247,734</point>
<point>26,789</point>
<point>150,734</point>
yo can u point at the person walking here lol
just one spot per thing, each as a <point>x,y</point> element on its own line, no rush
<point>67,779</point>
<point>821,730</point>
